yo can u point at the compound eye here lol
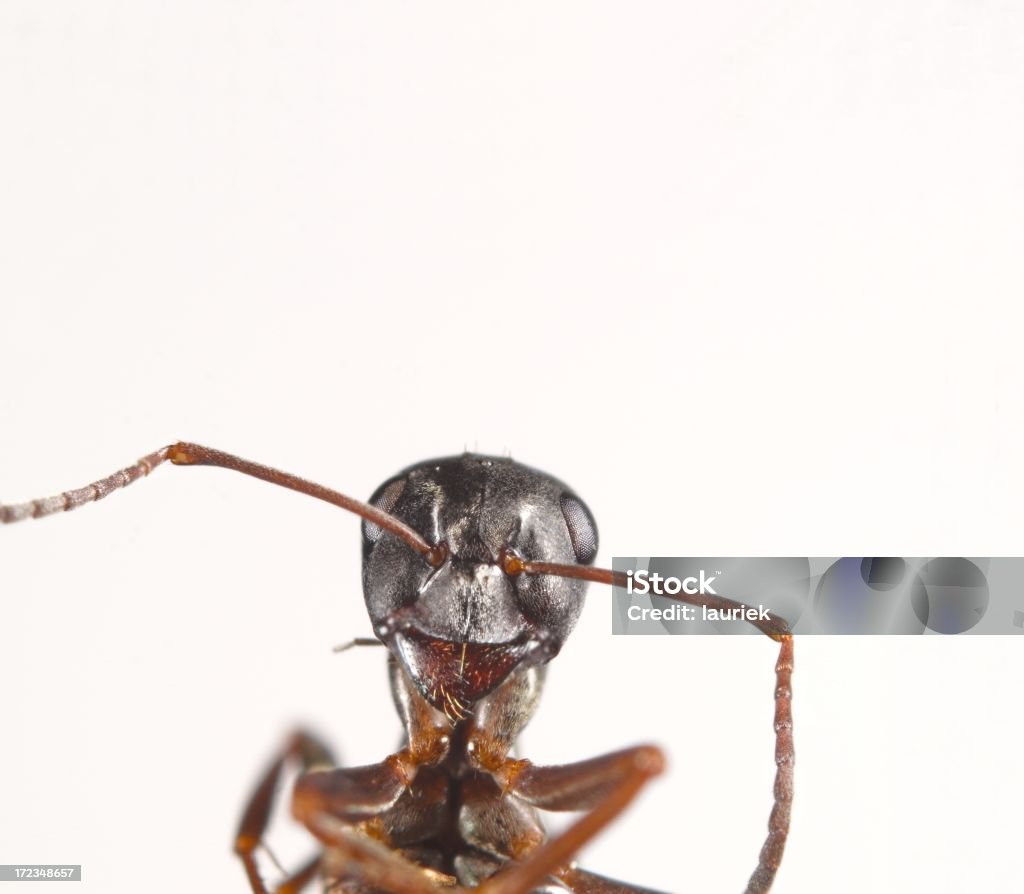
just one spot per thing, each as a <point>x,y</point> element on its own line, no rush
<point>582,528</point>
<point>385,499</point>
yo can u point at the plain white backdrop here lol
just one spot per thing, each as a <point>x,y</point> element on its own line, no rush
<point>745,275</point>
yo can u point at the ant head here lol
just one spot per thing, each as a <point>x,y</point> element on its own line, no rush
<point>463,617</point>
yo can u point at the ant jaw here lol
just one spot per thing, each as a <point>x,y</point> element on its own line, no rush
<point>453,676</point>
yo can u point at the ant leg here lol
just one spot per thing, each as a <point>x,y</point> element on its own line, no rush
<point>329,804</point>
<point>310,753</point>
<point>333,804</point>
<point>354,861</point>
<point>607,784</point>
<point>603,786</point>
<point>581,882</point>
<point>297,881</point>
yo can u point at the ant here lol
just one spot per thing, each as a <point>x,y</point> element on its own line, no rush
<point>474,571</point>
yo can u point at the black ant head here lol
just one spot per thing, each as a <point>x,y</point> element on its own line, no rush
<point>463,619</point>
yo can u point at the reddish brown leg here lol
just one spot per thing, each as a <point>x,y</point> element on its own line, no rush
<point>605,785</point>
<point>588,883</point>
<point>296,882</point>
<point>310,753</point>
<point>602,786</point>
<point>331,803</point>
<point>351,855</point>
<point>561,788</point>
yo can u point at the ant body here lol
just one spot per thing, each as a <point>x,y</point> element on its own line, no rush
<point>474,571</point>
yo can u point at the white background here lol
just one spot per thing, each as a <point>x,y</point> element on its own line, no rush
<point>744,274</point>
